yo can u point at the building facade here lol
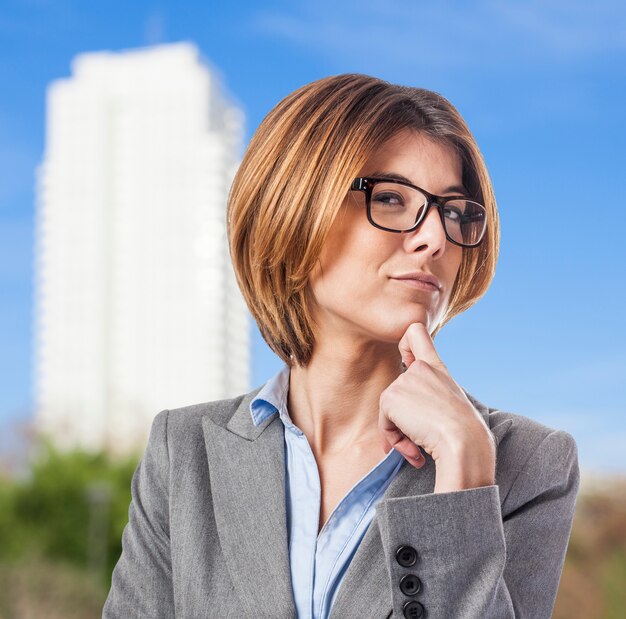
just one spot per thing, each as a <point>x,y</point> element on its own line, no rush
<point>137,308</point>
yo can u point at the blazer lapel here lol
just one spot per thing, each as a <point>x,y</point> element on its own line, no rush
<point>247,473</point>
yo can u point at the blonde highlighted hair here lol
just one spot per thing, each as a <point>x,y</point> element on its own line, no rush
<point>293,179</point>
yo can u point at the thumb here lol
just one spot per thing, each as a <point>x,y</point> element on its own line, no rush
<point>417,343</point>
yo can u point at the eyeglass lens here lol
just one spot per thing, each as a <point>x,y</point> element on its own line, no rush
<point>398,207</point>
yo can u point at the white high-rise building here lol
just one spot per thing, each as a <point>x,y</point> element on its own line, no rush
<point>137,308</point>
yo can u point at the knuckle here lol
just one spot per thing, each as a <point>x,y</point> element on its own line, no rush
<point>421,365</point>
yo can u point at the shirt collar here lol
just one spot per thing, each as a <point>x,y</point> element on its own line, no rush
<point>272,398</point>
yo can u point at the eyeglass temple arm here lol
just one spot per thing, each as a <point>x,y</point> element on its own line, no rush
<point>358,184</point>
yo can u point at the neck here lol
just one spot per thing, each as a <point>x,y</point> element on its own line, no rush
<point>334,400</point>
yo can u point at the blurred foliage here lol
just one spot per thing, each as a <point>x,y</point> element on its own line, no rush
<point>593,583</point>
<point>61,524</point>
<point>61,529</point>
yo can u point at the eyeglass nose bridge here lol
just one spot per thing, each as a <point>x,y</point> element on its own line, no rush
<point>423,213</point>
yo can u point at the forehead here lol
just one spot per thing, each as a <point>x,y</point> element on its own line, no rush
<point>425,162</point>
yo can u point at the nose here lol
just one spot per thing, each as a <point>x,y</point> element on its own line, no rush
<point>430,234</point>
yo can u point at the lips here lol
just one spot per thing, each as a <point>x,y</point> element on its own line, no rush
<point>421,276</point>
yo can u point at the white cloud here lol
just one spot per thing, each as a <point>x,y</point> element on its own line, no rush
<point>485,33</point>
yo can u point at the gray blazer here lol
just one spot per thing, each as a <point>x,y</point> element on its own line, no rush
<point>207,531</point>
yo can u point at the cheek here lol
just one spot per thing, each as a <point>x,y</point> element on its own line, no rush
<point>350,271</point>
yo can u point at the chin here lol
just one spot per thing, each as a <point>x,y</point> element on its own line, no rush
<point>394,332</point>
<point>416,313</point>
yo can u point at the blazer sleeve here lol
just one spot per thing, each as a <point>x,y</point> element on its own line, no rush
<point>141,584</point>
<point>476,559</point>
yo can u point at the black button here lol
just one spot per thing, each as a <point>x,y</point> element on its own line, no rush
<point>410,584</point>
<point>406,556</point>
<point>413,610</point>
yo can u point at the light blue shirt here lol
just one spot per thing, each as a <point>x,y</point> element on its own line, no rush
<point>319,563</point>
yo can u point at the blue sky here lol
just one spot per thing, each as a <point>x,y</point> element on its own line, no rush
<point>542,86</point>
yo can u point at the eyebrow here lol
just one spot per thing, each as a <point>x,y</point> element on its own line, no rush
<point>394,175</point>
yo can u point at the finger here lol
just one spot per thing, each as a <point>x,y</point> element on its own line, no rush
<point>394,437</point>
<point>418,462</point>
<point>406,448</point>
<point>416,343</point>
<point>386,446</point>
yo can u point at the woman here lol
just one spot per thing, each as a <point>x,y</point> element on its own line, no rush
<point>361,480</point>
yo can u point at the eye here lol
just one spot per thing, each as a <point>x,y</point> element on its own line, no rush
<point>388,198</point>
<point>453,213</point>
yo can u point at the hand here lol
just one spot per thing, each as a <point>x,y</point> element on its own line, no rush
<point>425,408</point>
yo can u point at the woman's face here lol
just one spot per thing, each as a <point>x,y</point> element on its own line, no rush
<point>353,281</point>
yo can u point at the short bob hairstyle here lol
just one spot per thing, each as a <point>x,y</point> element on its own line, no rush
<point>295,175</point>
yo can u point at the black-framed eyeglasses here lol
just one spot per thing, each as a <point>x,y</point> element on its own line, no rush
<point>398,206</point>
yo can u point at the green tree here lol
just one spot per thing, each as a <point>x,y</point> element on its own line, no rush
<point>72,507</point>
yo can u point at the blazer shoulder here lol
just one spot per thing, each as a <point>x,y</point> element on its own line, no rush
<point>525,431</point>
<point>513,431</point>
<point>532,456</point>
